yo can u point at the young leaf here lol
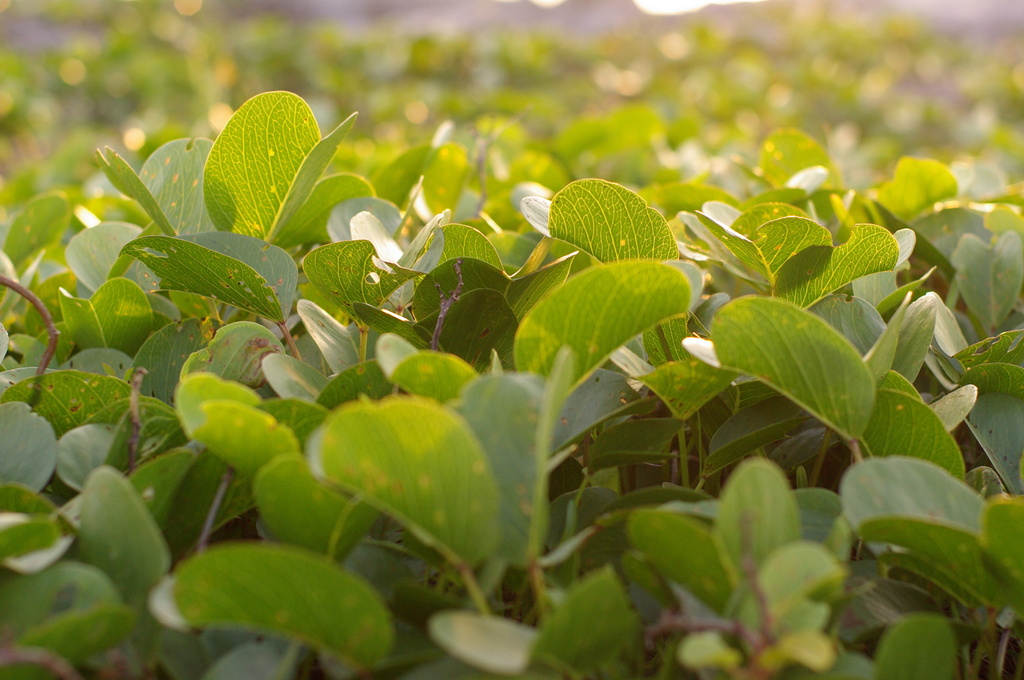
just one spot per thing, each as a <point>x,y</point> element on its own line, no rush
<point>124,179</point>
<point>338,344</point>
<point>492,644</point>
<point>597,311</point>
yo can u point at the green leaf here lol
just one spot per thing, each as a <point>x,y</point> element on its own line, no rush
<point>597,311</point>
<point>363,379</point>
<point>173,175</point>
<point>282,589</point>
<point>952,408</point>
<point>997,421</point>
<point>757,512</point>
<point>632,442</point>
<point>309,224</point>
<point>908,488</point>
<point>467,242</point>
<point>749,429</point>
<point>30,449</point>
<point>124,179</point>
<point>686,552</point>
<point>236,353</point>
<point>772,244</point>
<point>22,534</point>
<point>592,627</point>
<point>490,643</point>
<point>917,185</point>
<point>38,225</point>
<point>67,399</point>
<point>610,222</point>
<point>1005,348</point>
<point>999,377</point>
<point>791,578</point>
<point>255,161</point>
<point>298,509</point>
<point>707,649</point>
<point>480,323</point>
<point>799,355</point>
<point>118,535</point>
<point>82,450</point>
<point>435,375</point>
<point>292,378</point>
<point>164,354</point>
<point>787,152</point>
<point>504,412</point>
<point>419,462</point>
<point>117,315</point>
<point>1000,527</point>
<point>232,429</point>
<point>256,277</point>
<point>915,336</point>
<point>348,272</point>
<point>525,291</point>
<point>902,425</point>
<point>444,176</point>
<point>857,320</point>
<point>687,385</point>
<point>818,270</point>
<point>918,647</point>
<point>337,343</point>
<point>990,275</point>
<point>92,252</point>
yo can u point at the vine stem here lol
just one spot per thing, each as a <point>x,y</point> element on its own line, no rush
<point>51,329</point>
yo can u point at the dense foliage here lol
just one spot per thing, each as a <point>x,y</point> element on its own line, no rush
<point>342,402</point>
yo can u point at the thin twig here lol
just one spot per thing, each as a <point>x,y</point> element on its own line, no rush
<point>447,301</point>
<point>51,329</point>
<point>675,622</point>
<point>292,347</point>
<point>211,516</point>
<point>483,146</point>
<point>11,655</point>
<point>136,419</point>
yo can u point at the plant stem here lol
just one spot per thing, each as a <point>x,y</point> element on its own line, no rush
<point>211,516</point>
<point>364,340</point>
<point>446,304</point>
<point>819,460</point>
<point>540,590</point>
<point>473,588</point>
<point>292,347</point>
<point>52,333</point>
<point>136,419</point>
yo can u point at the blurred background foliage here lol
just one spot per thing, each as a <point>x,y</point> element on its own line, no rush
<point>657,101</point>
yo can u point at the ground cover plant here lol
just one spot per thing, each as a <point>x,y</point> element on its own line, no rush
<point>498,402</point>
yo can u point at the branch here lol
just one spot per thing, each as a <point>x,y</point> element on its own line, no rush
<point>211,516</point>
<point>447,301</point>
<point>11,655</point>
<point>292,347</point>
<point>136,419</point>
<point>51,330</point>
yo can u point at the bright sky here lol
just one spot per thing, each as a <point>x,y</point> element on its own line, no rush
<point>655,6</point>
